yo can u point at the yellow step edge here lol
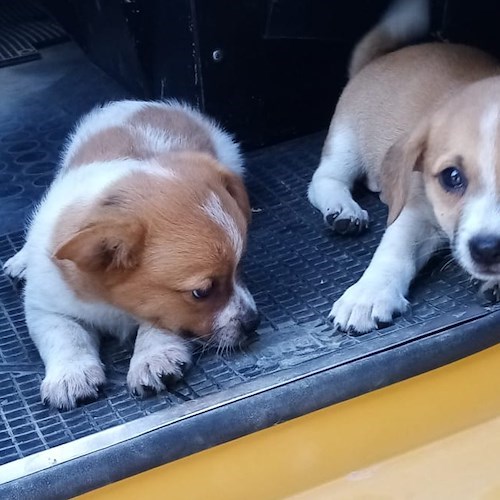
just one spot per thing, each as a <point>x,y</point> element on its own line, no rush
<point>463,466</point>
<point>325,445</point>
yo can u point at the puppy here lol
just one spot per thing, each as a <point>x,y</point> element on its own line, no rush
<point>421,125</point>
<point>142,230</point>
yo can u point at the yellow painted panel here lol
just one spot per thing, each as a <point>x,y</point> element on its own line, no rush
<point>330,443</point>
<point>463,466</point>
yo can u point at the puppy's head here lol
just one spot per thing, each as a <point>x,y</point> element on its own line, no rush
<point>457,150</point>
<point>167,249</point>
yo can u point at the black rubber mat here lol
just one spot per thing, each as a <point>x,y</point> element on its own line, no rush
<point>24,28</point>
<point>39,111</point>
<point>295,268</point>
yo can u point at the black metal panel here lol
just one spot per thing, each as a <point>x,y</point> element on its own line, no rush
<point>320,20</point>
<point>168,49</point>
<point>265,89</point>
<point>107,30</point>
<point>268,70</point>
<point>473,22</point>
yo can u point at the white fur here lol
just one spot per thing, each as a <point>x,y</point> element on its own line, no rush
<point>241,301</point>
<point>214,209</point>
<point>488,144</point>
<point>112,114</point>
<point>330,187</point>
<point>64,327</point>
<point>226,149</point>
<point>157,355</point>
<point>16,265</point>
<point>481,214</point>
<point>380,292</point>
<point>157,140</point>
<point>70,352</point>
<point>118,113</point>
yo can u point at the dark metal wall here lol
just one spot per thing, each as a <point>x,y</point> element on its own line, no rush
<point>269,70</point>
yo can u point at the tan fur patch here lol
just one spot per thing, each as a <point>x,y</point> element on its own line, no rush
<point>109,144</point>
<point>403,158</point>
<point>382,103</point>
<point>135,138</point>
<point>177,122</point>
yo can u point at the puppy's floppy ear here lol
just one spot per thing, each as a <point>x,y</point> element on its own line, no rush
<point>403,157</point>
<point>235,187</point>
<point>105,246</point>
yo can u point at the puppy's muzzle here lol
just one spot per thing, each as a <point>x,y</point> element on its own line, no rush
<point>249,322</point>
<point>238,320</point>
<point>485,250</point>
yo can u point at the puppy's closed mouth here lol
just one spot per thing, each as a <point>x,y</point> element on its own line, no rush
<point>221,340</point>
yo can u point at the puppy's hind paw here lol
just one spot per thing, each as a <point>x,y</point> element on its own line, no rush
<point>365,307</point>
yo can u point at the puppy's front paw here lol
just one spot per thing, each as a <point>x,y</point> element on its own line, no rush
<point>15,267</point>
<point>491,290</point>
<point>365,305</point>
<point>71,382</point>
<point>158,366</point>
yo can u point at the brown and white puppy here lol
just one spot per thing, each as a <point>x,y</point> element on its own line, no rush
<point>422,125</point>
<point>143,229</point>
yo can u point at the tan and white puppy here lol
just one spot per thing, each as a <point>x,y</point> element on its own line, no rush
<point>422,125</point>
<point>143,229</point>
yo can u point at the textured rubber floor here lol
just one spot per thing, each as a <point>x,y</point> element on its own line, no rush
<point>40,102</point>
<point>25,27</point>
<point>294,267</point>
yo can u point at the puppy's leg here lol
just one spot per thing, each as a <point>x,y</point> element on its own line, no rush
<point>15,267</point>
<point>159,358</point>
<point>73,370</point>
<point>380,293</point>
<point>330,188</point>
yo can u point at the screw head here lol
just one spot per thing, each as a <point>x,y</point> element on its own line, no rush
<point>217,55</point>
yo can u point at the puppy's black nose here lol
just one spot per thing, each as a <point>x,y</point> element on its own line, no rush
<point>250,322</point>
<point>485,249</point>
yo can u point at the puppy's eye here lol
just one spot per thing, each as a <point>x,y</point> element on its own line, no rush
<point>201,293</point>
<point>453,180</point>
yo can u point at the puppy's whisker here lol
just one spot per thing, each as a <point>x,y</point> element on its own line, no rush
<point>218,350</point>
<point>447,264</point>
